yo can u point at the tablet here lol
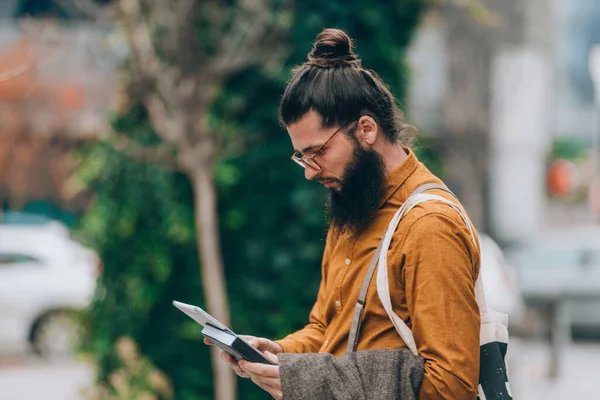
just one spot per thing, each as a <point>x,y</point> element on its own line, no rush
<point>199,315</point>
<point>222,336</point>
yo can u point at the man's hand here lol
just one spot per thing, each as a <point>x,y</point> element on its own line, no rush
<point>262,344</point>
<point>265,376</point>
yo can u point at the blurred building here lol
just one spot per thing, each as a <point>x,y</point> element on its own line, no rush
<point>540,90</point>
<point>55,88</point>
<point>579,30</point>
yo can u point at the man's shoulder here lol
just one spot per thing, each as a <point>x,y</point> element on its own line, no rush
<point>434,210</point>
<point>430,219</point>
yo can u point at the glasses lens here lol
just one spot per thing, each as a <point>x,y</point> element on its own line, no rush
<point>304,162</point>
<point>311,163</point>
<point>298,161</point>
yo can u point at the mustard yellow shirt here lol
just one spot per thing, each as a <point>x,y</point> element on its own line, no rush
<point>433,265</point>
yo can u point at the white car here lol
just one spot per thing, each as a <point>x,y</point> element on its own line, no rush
<point>44,276</point>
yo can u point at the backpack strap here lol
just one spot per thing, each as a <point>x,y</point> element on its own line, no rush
<point>430,186</point>
<point>360,304</point>
<point>382,271</point>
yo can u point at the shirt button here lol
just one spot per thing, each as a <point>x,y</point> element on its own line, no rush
<point>326,343</point>
<point>347,261</point>
<point>338,304</point>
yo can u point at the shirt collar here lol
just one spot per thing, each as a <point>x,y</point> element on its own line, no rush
<point>399,175</point>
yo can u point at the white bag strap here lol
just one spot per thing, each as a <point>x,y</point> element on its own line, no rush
<point>382,270</point>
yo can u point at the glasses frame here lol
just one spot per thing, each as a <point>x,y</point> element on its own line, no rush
<point>304,162</point>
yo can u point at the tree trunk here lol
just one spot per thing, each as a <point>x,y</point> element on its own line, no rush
<point>212,273</point>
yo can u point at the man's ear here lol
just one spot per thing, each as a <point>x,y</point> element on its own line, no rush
<point>366,131</point>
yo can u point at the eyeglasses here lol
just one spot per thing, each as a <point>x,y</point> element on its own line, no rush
<point>310,161</point>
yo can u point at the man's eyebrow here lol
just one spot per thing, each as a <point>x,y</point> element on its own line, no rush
<point>309,148</point>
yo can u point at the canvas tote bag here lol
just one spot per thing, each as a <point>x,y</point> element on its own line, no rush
<point>493,375</point>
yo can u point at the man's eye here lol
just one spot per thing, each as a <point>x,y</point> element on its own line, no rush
<point>321,152</point>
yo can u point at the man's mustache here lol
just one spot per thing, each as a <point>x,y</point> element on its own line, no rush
<point>323,181</point>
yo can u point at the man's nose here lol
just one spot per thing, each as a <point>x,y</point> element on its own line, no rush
<point>310,173</point>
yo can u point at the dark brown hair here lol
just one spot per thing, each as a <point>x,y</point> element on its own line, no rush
<point>334,83</point>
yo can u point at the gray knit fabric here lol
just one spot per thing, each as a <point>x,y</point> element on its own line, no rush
<point>361,375</point>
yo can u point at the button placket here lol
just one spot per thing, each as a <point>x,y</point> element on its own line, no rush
<point>349,252</point>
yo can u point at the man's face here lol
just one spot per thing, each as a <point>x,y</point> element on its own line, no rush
<point>355,175</point>
<point>308,136</point>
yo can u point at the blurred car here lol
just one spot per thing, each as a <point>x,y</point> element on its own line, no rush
<point>563,264</point>
<point>500,283</point>
<point>24,218</point>
<point>44,277</point>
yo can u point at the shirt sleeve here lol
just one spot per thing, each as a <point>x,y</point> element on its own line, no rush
<point>310,338</point>
<point>440,269</point>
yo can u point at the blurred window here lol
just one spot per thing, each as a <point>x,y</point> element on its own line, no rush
<point>15,258</point>
<point>549,258</point>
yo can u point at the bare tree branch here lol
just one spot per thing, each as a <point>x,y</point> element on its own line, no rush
<point>140,39</point>
<point>248,41</point>
<point>162,154</point>
<point>143,50</point>
<point>162,121</point>
<point>176,22</point>
<point>254,35</point>
<point>162,102</point>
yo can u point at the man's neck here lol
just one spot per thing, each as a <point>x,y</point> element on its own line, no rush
<point>392,155</point>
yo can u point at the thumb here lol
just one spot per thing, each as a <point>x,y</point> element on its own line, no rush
<point>272,357</point>
<point>251,340</point>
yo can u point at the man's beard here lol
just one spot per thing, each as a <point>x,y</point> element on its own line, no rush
<point>363,187</point>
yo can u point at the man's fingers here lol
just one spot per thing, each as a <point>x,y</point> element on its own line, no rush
<point>228,358</point>
<point>240,372</point>
<point>271,371</point>
<point>251,340</point>
<point>234,364</point>
<point>208,342</point>
<point>272,357</point>
<point>271,382</point>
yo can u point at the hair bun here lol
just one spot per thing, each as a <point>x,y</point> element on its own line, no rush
<point>333,47</point>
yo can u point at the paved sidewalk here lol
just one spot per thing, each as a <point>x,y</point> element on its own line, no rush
<point>32,379</point>
<point>579,371</point>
